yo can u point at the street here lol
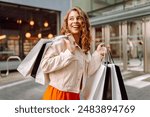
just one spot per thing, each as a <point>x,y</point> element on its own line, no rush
<point>27,90</point>
<point>137,86</point>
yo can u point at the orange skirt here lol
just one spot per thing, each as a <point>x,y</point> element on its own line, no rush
<point>52,93</point>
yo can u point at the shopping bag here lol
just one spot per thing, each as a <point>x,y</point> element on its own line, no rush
<point>106,83</point>
<point>37,73</point>
<point>114,84</point>
<point>30,66</point>
<point>119,87</point>
<point>94,84</point>
<point>116,90</point>
<point>107,89</point>
<point>37,61</point>
<point>26,66</point>
<point>98,86</point>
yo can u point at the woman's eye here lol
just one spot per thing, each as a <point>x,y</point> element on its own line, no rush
<point>71,18</point>
<point>79,18</point>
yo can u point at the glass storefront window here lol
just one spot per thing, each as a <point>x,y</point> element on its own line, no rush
<point>21,27</point>
<point>115,40</point>
<point>111,36</point>
<point>126,41</point>
<point>135,42</point>
<point>99,33</point>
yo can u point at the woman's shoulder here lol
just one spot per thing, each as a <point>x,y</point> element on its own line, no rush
<point>58,39</point>
<point>58,42</point>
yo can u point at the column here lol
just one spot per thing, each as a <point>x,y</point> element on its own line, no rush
<point>124,41</point>
<point>147,46</point>
<point>93,39</point>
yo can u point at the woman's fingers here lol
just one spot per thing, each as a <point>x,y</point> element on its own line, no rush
<point>70,46</point>
<point>99,47</point>
<point>102,49</point>
<point>101,44</point>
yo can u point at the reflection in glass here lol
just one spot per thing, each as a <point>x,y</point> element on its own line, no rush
<point>135,44</point>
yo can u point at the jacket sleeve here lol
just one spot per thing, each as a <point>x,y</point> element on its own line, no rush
<point>56,57</point>
<point>94,63</point>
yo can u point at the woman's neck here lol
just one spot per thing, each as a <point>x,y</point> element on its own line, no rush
<point>77,38</point>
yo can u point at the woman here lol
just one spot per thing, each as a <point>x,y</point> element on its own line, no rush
<point>68,61</point>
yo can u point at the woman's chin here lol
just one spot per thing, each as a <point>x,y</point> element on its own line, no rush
<point>75,32</point>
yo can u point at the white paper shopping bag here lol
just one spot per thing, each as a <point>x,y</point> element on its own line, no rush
<point>29,67</point>
<point>25,68</point>
<point>120,92</point>
<point>94,84</point>
<point>116,94</point>
<point>41,77</point>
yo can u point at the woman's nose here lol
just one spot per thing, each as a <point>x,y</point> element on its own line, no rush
<point>75,20</point>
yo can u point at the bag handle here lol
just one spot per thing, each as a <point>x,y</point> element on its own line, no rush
<point>108,58</point>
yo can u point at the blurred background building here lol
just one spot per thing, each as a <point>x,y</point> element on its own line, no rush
<point>23,23</point>
<point>123,25</point>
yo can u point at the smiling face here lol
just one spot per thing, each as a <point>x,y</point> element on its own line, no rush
<point>75,23</point>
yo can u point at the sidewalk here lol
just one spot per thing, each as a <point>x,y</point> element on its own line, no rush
<point>16,76</point>
<point>16,87</point>
<point>137,86</point>
<point>134,71</point>
<point>10,78</point>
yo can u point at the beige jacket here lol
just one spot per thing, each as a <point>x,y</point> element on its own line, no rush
<point>67,71</point>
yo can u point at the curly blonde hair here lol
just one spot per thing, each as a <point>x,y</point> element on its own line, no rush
<point>85,32</point>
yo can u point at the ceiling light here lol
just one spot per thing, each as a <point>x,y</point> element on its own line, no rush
<point>50,36</point>
<point>2,37</point>
<point>39,35</point>
<point>19,21</point>
<point>28,35</point>
<point>46,24</point>
<point>31,22</point>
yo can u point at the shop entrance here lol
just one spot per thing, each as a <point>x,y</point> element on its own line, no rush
<point>135,45</point>
<point>21,27</point>
<point>126,42</point>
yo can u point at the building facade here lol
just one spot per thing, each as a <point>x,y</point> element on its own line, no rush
<point>24,22</point>
<point>123,25</point>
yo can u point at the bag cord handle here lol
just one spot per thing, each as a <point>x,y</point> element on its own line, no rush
<point>108,58</point>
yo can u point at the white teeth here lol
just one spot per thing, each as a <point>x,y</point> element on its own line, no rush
<point>75,26</point>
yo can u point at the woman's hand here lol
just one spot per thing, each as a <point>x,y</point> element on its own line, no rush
<point>70,46</point>
<point>101,49</point>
